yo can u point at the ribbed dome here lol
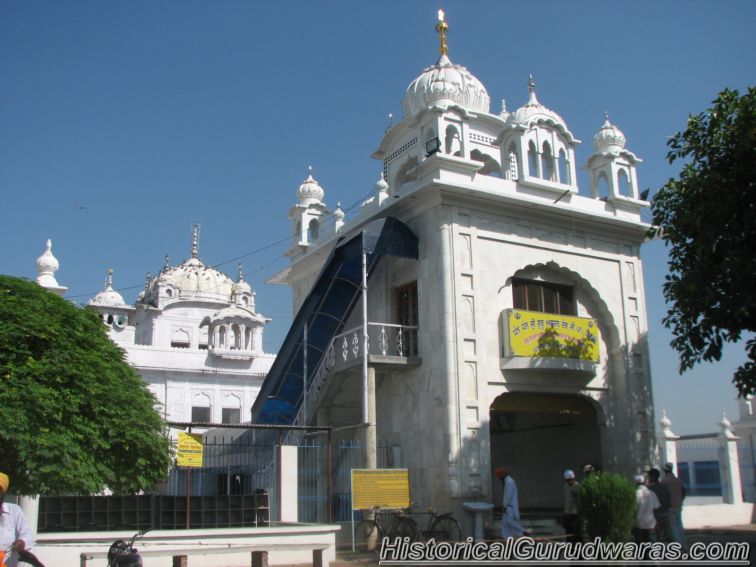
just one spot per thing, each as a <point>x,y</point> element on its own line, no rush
<point>534,111</point>
<point>190,280</point>
<point>609,139</point>
<point>108,296</point>
<point>310,191</point>
<point>445,84</point>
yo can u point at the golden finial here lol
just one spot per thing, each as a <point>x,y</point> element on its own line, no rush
<point>441,28</point>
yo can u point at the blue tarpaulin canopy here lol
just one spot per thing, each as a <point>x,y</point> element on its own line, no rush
<point>325,312</point>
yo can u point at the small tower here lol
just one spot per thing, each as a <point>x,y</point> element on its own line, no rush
<point>47,265</point>
<point>308,215</point>
<point>612,168</point>
<point>538,148</point>
<point>243,294</point>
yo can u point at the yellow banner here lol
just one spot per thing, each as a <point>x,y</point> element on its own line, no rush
<point>189,450</point>
<point>381,488</point>
<point>532,333</point>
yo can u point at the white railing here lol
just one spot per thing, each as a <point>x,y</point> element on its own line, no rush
<point>384,339</point>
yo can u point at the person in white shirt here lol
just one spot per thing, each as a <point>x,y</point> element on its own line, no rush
<point>15,534</point>
<point>647,502</point>
<point>510,514</point>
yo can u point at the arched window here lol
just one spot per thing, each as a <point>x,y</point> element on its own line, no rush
<point>222,337</point>
<point>231,411</point>
<point>547,162</point>
<point>180,339</point>
<point>532,160</point>
<point>453,142</point>
<point>564,168</point>
<point>603,186</point>
<point>490,165</point>
<point>623,183</point>
<point>513,169</point>
<point>201,409</point>
<point>313,229</point>
<point>236,336</point>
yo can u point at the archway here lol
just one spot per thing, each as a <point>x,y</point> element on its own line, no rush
<point>536,437</point>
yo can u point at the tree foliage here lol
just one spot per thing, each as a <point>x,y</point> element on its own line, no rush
<point>608,506</point>
<point>707,217</point>
<point>75,417</point>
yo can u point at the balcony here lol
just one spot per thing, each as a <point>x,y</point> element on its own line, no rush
<point>388,344</point>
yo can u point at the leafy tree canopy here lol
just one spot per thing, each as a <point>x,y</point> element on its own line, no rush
<point>707,217</point>
<point>75,417</point>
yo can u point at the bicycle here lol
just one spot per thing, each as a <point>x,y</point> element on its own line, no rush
<point>441,527</point>
<point>370,532</point>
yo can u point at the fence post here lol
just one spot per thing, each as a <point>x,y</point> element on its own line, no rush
<point>729,465</point>
<point>668,442</point>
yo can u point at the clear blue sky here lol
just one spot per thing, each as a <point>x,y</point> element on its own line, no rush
<point>122,123</point>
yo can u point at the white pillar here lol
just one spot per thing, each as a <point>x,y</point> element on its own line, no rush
<point>667,442</point>
<point>30,507</point>
<point>288,472</point>
<point>729,465</point>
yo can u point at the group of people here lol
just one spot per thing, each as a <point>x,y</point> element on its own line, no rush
<point>659,506</point>
<point>658,513</point>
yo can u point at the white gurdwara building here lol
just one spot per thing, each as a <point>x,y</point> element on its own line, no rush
<point>504,314</point>
<point>193,334</point>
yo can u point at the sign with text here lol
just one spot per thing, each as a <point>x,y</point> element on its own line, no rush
<point>380,488</point>
<point>189,450</point>
<point>532,333</point>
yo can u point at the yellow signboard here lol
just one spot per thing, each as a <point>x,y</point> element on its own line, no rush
<point>189,450</point>
<point>380,488</point>
<point>532,333</point>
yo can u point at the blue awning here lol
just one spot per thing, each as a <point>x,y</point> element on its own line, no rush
<point>325,312</point>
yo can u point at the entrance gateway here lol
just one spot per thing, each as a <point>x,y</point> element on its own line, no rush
<point>537,437</point>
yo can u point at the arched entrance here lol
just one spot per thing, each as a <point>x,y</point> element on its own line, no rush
<point>536,437</point>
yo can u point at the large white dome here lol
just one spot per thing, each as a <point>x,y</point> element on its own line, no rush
<point>190,280</point>
<point>443,85</point>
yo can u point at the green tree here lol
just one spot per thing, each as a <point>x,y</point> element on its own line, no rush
<point>608,506</point>
<point>75,417</point>
<point>707,218</point>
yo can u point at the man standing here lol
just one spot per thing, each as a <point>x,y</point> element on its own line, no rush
<point>646,502</point>
<point>572,528</point>
<point>510,514</point>
<point>663,528</point>
<point>15,535</point>
<point>676,497</point>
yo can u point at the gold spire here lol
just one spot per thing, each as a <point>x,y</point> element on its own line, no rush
<point>441,28</point>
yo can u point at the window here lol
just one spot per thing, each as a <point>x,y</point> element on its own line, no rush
<point>532,160</point>
<point>231,416</point>
<point>406,314</point>
<point>543,296</point>
<point>200,414</point>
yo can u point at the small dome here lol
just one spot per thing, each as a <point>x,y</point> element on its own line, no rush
<point>189,280</point>
<point>609,139</point>
<point>381,186</point>
<point>534,111</point>
<point>310,191</point>
<point>108,296</point>
<point>241,286</point>
<point>443,85</point>
<point>47,264</point>
<point>339,213</point>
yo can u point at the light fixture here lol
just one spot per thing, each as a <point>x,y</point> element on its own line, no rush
<point>432,146</point>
